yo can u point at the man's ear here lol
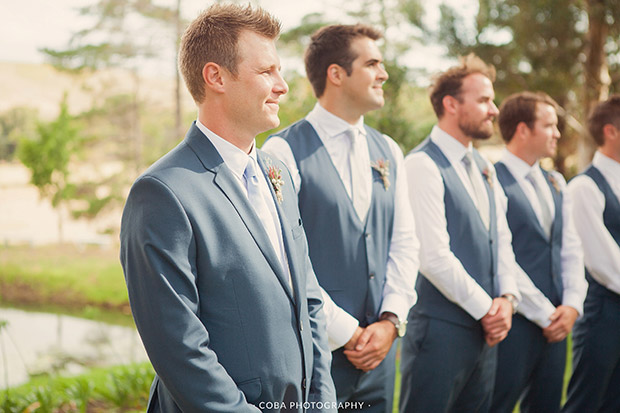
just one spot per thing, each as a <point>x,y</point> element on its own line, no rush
<point>335,74</point>
<point>449,104</point>
<point>522,130</point>
<point>212,76</point>
<point>610,132</point>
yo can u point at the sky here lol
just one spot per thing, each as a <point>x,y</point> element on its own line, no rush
<point>28,25</point>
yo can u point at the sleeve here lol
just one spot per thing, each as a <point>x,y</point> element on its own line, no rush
<point>437,262</point>
<point>573,274</point>
<point>322,389</point>
<point>399,293</point>
<point>601,252</point>
<point>158,255</point>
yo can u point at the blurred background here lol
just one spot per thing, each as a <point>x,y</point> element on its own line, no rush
<point>90,96</point>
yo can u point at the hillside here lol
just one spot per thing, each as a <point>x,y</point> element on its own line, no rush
<point>42,86</point>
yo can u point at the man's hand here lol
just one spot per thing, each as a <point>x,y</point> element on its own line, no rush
<point>372,346</point>
<point>353,340</point>
<point>562,321</point>
<point>497,322</point>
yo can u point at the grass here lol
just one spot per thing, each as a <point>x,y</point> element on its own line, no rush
<point>113,389</point>
<point>85,281</point>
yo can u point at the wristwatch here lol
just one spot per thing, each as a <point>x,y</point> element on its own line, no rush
<point>401,325</point>
<point>512,300</point>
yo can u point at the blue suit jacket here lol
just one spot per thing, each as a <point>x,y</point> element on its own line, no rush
<point>213,306</point>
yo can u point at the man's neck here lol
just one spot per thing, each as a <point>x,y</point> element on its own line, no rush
<point>609,152</point>
<point>238,138</point>
<point>455,132</point>
<point>343,111</point>
<point>522,154</point>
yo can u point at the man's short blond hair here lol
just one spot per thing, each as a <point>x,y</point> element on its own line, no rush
<point>213,37</point>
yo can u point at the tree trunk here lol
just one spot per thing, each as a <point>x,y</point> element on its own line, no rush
<point>597,79</point>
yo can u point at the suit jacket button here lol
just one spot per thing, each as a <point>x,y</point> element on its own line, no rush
<point>303,384</point>
<point>301,326</point>
<point>372,276</point>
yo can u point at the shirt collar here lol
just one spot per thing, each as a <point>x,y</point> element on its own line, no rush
<point>607,165</point>
<point>331,125</point>
<point>234,158</point>
<point>451,148</point>
<point>517,166</point>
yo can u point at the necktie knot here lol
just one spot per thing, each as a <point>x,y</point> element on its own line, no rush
<point>352,134</point>
<point>468,159</point>
<point>250,172</point>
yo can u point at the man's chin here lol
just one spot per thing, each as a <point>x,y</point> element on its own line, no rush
<point>481,136</point>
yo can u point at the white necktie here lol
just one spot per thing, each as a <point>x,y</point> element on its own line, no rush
<point>545,217</point>
<point>360,197</point>
<point>270,222</point>
<point>482,199</point>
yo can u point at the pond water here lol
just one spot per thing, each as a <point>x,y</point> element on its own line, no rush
<point>34,344</point>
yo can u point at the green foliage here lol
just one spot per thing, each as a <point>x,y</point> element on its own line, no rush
<point>15,123</point>
<point>48,155</point>
<point>124,42</point>
<point>537,45</point>
<point>87,392</point>
<point>81,391</point>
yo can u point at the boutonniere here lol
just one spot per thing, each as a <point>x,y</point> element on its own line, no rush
<point>555,183</point>
<point>275,179</point>
<point>488,174</point>
<point>383,167</point>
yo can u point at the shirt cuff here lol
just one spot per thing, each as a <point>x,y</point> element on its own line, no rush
<point>478,305</point>
<point>539,316</point>
<point>394,303</point>
<point>574,300</point>
<point>341,329</point>
<point>509,286</point>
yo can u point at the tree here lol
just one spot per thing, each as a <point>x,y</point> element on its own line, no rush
<point>560,47</point>
<point>48,155</point>
<point>127,45</point>
<point>534,45</point>
<point>603,30</point>
<point>15,123</point>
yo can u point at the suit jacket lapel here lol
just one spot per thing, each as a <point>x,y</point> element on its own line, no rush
<point>264,162</point>
<point>228,184</point>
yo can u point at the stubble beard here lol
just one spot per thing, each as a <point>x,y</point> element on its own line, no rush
<point>476,131</point>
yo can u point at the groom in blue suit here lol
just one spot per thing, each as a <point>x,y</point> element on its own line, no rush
<point>214,253</point>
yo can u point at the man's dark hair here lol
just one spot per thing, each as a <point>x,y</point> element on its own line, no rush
<point>332,44</point>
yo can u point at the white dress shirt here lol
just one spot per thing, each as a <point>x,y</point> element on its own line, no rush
<point>573,278</point>
<point>236,160</point>
<point>601,252</point>
<point>402,267</point>
<point>437,262</point>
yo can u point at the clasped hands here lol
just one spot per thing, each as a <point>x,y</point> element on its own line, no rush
<point>369,346</point>
<point>562,321</point>
<point>497,322</point>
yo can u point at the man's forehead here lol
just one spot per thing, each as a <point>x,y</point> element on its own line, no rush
<point>478,84</point>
